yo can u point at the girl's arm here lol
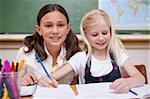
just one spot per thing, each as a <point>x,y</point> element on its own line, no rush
<point>125,84</point>
<point>135,77</point>
<point>62,71</point>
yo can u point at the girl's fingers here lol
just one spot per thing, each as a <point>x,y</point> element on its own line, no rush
<point>29,79</point>
<point>55,83</point>
<point>114,85</point>
<point>43,83</point>
<point>46,82</point>
<point>52,83</point>
<point>24,83</point>
<point>33,77</point>
<point>120,86</point>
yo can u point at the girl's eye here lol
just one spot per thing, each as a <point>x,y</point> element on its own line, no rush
<point>104,33</point>
<point>95,34</point>
<point>61,25</point>
<point>48,25</point>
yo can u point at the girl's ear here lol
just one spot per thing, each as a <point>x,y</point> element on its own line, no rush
<point>37,28</point>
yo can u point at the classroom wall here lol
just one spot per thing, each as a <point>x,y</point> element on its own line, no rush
<point>141,56</point>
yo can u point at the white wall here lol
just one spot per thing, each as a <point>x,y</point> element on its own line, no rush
<point>141,56</point>
<point>9,54</point>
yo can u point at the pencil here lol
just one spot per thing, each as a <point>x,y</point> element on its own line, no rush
<point>39,60</point>
<point>133,92</point>
<point>17,67</point>
<point>20,65</point>
<point>74,88</point>
<point>0,64</point>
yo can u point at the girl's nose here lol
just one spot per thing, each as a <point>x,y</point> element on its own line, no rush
<point>55,30</point>
<point>101,37</point>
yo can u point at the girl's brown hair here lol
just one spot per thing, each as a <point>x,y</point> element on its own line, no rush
<point>36,41</point>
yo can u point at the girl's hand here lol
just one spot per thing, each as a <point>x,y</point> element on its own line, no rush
<point>29,79</point>
<point>120,85</point>
<point>46,82</point>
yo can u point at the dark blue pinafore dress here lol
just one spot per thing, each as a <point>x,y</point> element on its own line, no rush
<point>113,75</point>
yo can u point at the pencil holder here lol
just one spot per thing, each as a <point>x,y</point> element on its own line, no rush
<point>12,82</point>
<point>1,86</point>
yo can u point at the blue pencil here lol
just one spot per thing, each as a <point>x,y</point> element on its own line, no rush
<point>133,92</point>
<point>38,58</point>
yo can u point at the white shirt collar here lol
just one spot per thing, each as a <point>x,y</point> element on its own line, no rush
<point>61,57</point>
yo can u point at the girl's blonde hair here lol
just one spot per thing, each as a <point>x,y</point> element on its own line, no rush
<point>92,17</point>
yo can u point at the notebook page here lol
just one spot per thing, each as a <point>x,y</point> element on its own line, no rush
<point>63,90</point>
<point>101,90</point>
<point>143,91</point>
<point>27,90</point>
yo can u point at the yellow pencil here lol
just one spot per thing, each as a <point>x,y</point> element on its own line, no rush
<point>5,95</point>
<point>74,88</point>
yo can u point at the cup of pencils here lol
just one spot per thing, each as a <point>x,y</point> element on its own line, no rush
<point>11,85</point>
<point>10,81</point>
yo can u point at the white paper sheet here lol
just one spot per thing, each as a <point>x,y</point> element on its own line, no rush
<point>27,90</point>
<point>63,90</point>
<point>102,90</point>
<point>88,91</point>
<point>143,91</point>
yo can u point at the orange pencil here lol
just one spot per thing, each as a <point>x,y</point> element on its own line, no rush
<point>20,65</point>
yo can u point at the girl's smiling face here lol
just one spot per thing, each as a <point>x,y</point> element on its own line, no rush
<point>54,28</point>
<point>99,35</point>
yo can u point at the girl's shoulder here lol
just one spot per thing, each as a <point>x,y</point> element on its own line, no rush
<point>79,55</point>
<point>123,53</point>
<point>23,49</point>
<point>82,53</point>
<point>123,57</point>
